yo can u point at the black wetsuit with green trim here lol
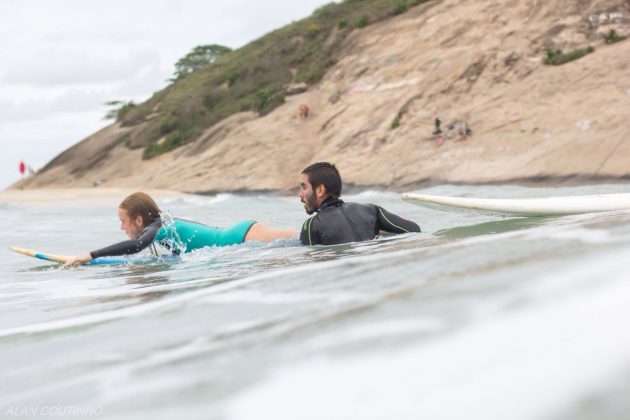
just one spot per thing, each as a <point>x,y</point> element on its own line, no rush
<point>337,222</point>
<point>179,236</point>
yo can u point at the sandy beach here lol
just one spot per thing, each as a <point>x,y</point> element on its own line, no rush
<point>73,197</point>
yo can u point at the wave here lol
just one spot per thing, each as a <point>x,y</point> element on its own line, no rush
<point>371,195</point>
<point>200,200</point>
<point>304,260</point>
<point>7,206</point>
<point>559,351</point>
<point>168,302</point>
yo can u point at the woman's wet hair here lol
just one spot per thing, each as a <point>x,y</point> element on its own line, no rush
<point>141,204</point>
<point>326,174</point>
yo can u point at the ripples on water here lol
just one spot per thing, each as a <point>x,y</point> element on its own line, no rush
<point>478,317</point>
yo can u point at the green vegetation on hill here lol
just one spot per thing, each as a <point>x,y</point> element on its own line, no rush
<point>200,57</point>
<point>118,109</point>
<point>557,57</point>
<point>612,36</point>
<point>251,78</point>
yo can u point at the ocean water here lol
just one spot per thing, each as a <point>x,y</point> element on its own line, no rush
<point>478,317</point>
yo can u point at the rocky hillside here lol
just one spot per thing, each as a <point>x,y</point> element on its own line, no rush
<point>473,62</point>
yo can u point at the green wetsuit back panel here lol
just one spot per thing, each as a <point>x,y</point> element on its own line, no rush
<point>187,236</point>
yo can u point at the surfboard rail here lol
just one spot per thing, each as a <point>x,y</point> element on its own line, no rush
<point>62,259</point>
<point>544,206</point>
<point>41,255</point>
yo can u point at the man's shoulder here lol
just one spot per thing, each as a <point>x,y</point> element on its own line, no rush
<point>309,222</point>
<point>308,235</point>
<point>364,206</point>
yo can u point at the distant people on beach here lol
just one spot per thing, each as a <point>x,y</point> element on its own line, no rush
<point>437,133</point>
<point>303,111</point>
<point>438,129</point>
<point>457,129</point>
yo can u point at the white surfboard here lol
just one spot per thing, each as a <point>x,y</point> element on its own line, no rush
<point>549,206</point>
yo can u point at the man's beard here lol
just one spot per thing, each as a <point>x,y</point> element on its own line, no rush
<point>310,205</point>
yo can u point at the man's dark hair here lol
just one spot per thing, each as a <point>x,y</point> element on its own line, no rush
<point>326,174</point>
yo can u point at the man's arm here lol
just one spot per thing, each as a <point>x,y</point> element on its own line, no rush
<point>131,246</point>
<point>308,235</point>
<point>392,223</point>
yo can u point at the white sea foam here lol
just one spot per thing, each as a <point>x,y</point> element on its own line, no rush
<point>263,298</point>
<point>199,200</point>
<point>168,302</point>
<point>368,195</point>
<point>66,291</point>
<point>535,362</point>
<point>588,236</point>
<point>379,330</point>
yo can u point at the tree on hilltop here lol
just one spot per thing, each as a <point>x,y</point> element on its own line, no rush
<point>199,57</point>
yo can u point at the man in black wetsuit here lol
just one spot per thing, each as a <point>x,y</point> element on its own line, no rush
<point>337,222</point>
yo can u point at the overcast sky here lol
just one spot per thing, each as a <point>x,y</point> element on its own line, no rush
<point>63,59</point>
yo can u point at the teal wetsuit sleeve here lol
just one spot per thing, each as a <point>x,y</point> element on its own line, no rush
<point>131,246</point>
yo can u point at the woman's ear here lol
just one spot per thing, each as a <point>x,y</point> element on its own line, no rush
<point>138,221</point>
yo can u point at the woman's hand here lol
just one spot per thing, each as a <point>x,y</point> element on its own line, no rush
<point>78,260</point>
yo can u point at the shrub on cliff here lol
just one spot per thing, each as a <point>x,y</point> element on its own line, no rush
<point>118,109</point>
<point>400,8</point>
<point>557,57</point>
<point>395,123</point>
<point>266,101</point>
<point>173,140</point>
<point>612,36</point>
<point>362,21</point>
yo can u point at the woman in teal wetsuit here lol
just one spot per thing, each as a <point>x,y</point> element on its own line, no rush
<point>140,219</point>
